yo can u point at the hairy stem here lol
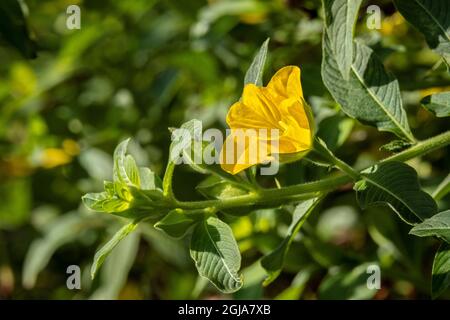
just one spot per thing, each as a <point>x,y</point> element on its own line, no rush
<point>313,189</point>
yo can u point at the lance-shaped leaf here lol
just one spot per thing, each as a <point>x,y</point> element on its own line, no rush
<point>438,225</point>
<point>432,18</point>
<point>441,271</point>
<point>101,254</point>
<point>216,254</point>
<point>255,72</point>
<point>438,103</point>
<point>370,95</point>
<point>395,184</point>
<point>340,19</point>
<point>274,261</point>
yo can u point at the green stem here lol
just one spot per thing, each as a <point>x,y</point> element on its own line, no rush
<point>312,189</point>
<point>322,150</point>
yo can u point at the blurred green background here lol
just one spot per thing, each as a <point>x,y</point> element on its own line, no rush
<point>137,67</point>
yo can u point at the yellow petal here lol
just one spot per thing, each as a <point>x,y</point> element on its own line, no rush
<point>242,116</point>
<point>286,83</point>
<point>239,153</point>
<point>262,104</point>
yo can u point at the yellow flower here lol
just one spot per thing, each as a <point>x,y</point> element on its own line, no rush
<point>279,108</point>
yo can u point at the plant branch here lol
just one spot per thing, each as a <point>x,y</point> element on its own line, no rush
<point>312,189</point>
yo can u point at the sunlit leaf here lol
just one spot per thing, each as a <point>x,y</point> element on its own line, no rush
<point>255,72</point>
<point>216,254</point>
<point>438,225</point>
<point>396,185</point>
<point>103,253</point>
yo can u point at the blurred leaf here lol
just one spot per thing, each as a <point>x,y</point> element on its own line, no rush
<point>116,268</point>
<point>323,253</point>
<point>13,28</point>
<point>216,254</point>
<point>298,284</point>
<point>273,262</point>
<point>252,287</point>
<point>438,104</point>
<point>438,225</point>
<point>338,223</point>
<point>384,230</point>
<point>340,19</point>
<point>64,230</point>
<point>97,163</point>
<point>395,184</point>
<point>432,18</point>
<point>14,202</point>
<point>169,249</point>
<point>441,271</point>
<point>211,13</point>
<point>344,285</point>
<point>442,189</point>
<point>103,253</point>
<point>255,72</point>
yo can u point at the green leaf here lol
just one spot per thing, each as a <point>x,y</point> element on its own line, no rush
<point>103,253</point>
<point>177,222</point>
<point>370,95</point>
<point>216,254</point>
<point>114,273</point>
<point>335,130</point>
<point>114,205</point>
<point>432,18</point>
<point>13,28</point>
<point>298,285</point>
<point>438,104</point>
<point>395,184</point>
<point>187,143</point>
<point>132,170</point>
<point>64,230</point>
<point>441,271</point>
<point>125,170</point>
<point>109,188</point>
<point>438,225</point>
<point>340,19</point>
<point>384,230</point>
<point>255,72</point>
<point>94,201</point>
<point>274,261</point>
<point>351,285</point>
